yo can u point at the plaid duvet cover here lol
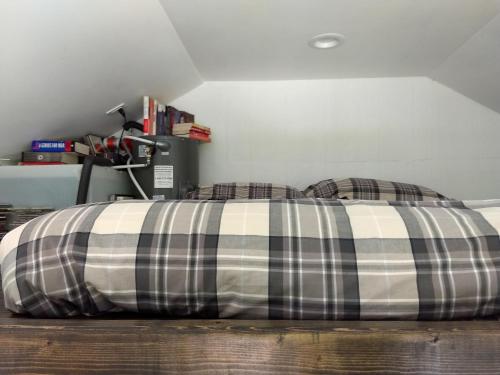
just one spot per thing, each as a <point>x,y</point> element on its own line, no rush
<point>258,259</point>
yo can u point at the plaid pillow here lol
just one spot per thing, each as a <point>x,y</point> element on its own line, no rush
<point>371,189</point>
<point>249,190</point>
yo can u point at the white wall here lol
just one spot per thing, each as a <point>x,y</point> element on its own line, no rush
<point>63,63</point>
<point>298,132</point>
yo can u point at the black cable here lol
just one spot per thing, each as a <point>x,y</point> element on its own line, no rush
<point>133,125</point>
<point>120,141</point>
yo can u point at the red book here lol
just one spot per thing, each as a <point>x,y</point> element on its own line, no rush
<point>197,136</point>
<point>146,115</point>
<point>199,132</point>
<point>201,138</point>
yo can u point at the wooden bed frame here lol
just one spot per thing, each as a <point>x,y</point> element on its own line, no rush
<point>129,345</point>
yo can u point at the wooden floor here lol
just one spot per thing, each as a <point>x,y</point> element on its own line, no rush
<point>150,346</point>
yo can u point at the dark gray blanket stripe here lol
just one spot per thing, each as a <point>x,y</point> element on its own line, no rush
<point>276,254</point>
<point>294,251</point>
<point>423,265</point>
<point>210,243</point>
<point>346,255</point>
<point>145,271</point>
<point>489,243</point>
<point>78,258</point>
<point>328,250</point>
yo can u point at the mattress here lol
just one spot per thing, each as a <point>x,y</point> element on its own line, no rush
<point>258,259</point>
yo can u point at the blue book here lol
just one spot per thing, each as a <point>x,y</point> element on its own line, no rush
<point>51,146</point>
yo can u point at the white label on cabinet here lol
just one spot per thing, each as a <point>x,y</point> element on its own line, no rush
<point>164,177</point>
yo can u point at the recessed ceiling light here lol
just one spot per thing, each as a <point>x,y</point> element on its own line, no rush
<point>324,41</point>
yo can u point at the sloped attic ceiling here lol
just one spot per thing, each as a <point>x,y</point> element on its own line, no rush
<point>456,42</point>
<point>474,68</point>
<point>65,62</point>
<point>267,39</point>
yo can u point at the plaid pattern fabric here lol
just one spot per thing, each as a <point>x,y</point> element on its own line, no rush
<point>259,259</point>
<point>250,190</point>
<point>371,189</point>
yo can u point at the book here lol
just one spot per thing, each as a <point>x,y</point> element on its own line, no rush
<point>59,146</point>
<point>151,119</point>
<point>4,211</point>
<point>161,121</point>
<point>186,117</point>
<point>146,123</point>
<point>40,163</point>
<point>51,146</point>
<point>183,128</point>
<point>198,136</point>
<point>195,137</point>
<point>19,215</point>
<point>194,131</point>
<point>62,157</point>
<point>173,116</point>
<point>158,119</point>
<point>155,118</point>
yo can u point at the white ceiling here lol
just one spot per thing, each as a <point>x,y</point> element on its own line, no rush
<point>63,63</point>
<point>474,69</point>
<point>267,39</point>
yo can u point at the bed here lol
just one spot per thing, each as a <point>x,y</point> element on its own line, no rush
<point>288,285</point>
<point>304,259</point>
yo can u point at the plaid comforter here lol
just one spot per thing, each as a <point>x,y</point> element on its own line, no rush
<point>258,259</point>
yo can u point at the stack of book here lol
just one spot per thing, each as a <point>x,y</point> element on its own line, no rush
<point>159,119</point>
<point>19,216</point>
<point>4,210</point>
<point>49,152</point>
<point>11,218</point>
<point>192,131</point>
